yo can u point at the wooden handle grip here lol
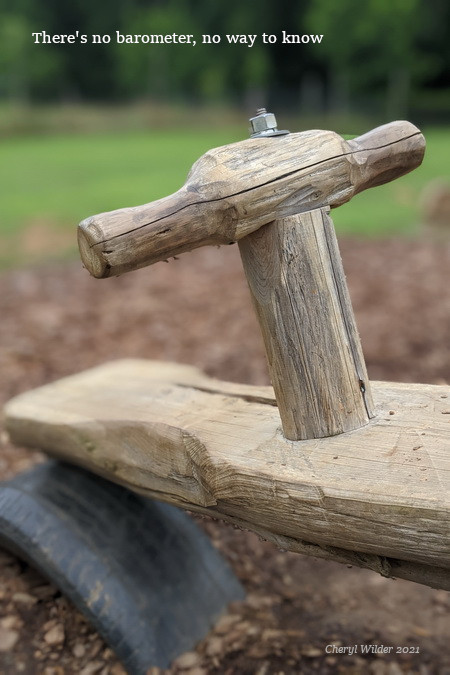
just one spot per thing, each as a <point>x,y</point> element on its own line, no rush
<point>385,153</point>
<point>236,189</point>
<point>118,241</point>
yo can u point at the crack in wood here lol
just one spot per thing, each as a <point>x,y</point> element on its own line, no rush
<point>251,398</point>
<point>255,187</point>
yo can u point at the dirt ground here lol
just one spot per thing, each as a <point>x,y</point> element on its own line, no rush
<point>56,320</point>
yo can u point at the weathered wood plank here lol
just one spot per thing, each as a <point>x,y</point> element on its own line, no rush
<point>298,287</point>
<point>235,189</point>
<point>377,497</point>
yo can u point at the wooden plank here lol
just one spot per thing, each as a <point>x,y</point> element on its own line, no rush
<point>299,292</point>
<point>376,497</point>
<point>235,189</point>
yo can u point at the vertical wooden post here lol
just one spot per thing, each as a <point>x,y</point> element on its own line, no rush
<point>294,271</point>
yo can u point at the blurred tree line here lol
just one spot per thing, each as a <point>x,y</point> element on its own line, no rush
<point>393,54</point>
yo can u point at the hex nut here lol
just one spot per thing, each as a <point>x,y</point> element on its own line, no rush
<point>264,122</point>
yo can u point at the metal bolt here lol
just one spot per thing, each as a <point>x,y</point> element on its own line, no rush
<point>264,124</point>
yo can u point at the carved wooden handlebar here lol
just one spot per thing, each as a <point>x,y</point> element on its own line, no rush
<point>273,195</point>
<point>234,190</point>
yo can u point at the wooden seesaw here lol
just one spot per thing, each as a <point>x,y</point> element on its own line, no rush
<point>325,463</point>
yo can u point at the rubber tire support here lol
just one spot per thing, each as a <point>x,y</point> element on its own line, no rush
<point>142,572</point>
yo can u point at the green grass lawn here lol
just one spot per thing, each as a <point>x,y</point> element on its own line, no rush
<point>61,179</point>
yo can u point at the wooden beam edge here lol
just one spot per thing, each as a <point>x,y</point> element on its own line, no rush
<point>28,419</point>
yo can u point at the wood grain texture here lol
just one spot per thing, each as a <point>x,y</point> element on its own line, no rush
<point>235,189</point>
<point>377,497</point>
<point>298,288</point>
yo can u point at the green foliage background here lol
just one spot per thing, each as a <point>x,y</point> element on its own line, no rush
<point>88,128</point>
<point>382,54</point>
